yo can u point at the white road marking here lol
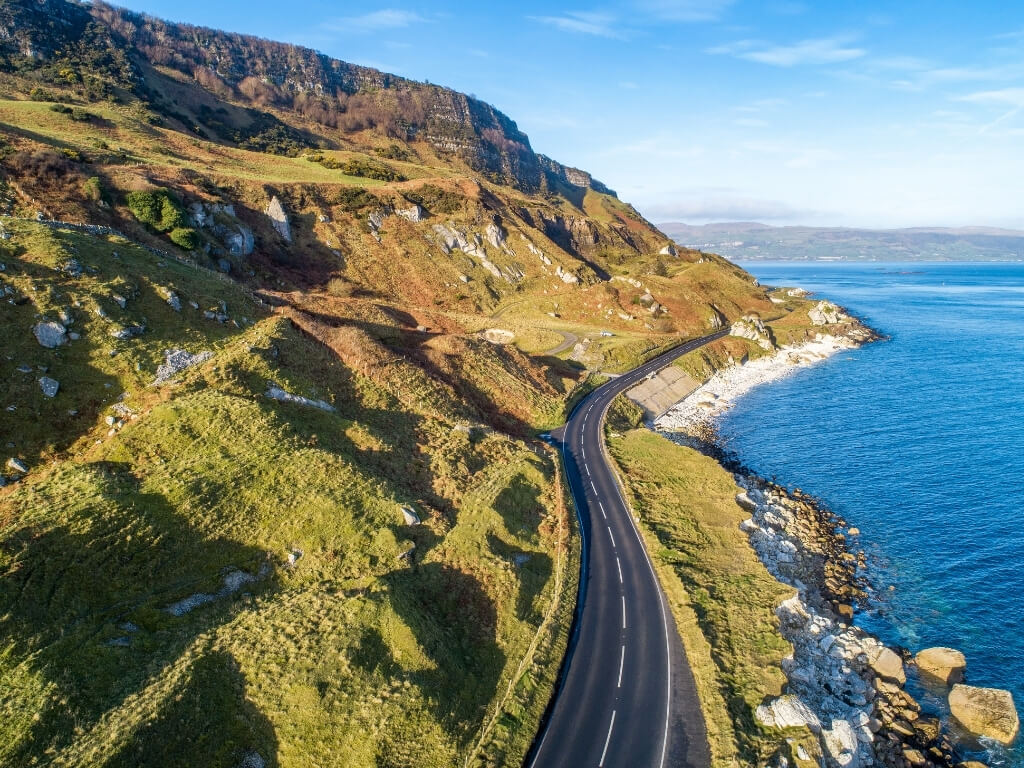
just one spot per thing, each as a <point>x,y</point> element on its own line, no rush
<point>620,569</point>
<point>623,611</point>
<point>587,467</point>
<point>622,663</point>
<point>610,536</point>
<point>602,510</point>
<point>607,739</point>
<point>593,486</point>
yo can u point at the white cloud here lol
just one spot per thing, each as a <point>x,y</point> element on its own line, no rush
<point>815,51</point>
<point>583,22</point>
<point>386,18</point>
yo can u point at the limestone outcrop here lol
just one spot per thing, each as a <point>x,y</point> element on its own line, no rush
<point>279,218</point>
<point>751,327</point>
<point>826,313</point>
<point>985,712</point>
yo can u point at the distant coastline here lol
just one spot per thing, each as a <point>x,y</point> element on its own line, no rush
<point>754,241</point>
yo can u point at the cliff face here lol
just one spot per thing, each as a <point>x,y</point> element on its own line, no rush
<point>41,33</point>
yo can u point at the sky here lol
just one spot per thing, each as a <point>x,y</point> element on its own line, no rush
<point>876,114</point>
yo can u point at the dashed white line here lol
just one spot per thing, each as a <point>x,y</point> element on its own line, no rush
<point>620,569</point>
<point>607,739</point>
<point>611,537</point>
<point>593,486</point>
<point>587,467</point>
<point>622,663</point>
<point>602,510</point>
<point>623,611</point>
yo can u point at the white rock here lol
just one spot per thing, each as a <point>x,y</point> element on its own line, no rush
<point>409,515</point>
<point>787,711</point>
<point>49,386</point>
<point>50,333</point>
<point>279,218</point>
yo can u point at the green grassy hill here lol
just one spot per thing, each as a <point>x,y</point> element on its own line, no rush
<point>268,322</point>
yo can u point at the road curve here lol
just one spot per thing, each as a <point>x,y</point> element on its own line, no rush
<point>626,695</point>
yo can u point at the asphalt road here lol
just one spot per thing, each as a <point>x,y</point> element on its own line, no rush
<point>626,697</point>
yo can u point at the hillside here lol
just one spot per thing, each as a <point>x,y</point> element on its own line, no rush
<point>280,332</point>
<point>748,241</point>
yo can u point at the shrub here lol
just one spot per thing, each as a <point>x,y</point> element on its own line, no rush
<point>370,169</point>
<point>159,209</point>
<point>185,237</point>
<point>340,288</point>
<point>93,189</point>
<point>435,199</point>
<point>354,199</point>
<point>393,152</point>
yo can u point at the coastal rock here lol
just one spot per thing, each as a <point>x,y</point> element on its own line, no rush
<point>50,334</point>
<point>985,712</point>
<point>751,327</point>
<point>841,744</point>
<point>825,313</point>
<point>279,218</point>
<point>787,711</point>
<point>944,664</point>
<point>887,664</point>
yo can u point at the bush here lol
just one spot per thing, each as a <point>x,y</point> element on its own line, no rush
<point>93,189</point>
<point>159,209</point>
<point>185,237</point>
<point>393,152</point>
<point>370,169</point>
<point>435,199</point>
<point>354,199</point>
<point>338,287</point>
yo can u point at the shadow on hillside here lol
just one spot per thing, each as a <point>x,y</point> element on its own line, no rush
<point>209,721</point>
<point>533,570</point>
<point>520,506</point>
<point>455,622</point>
<point>104,555</point>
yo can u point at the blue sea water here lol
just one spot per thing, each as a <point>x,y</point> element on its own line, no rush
<point>919,442</point>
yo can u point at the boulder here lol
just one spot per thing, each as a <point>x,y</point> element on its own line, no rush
<point>841,743</point>
<point>279,218</point>
<point>985,712</point>
<point>17,465</point>
<point>746,502</point>
<point>787,711</point>
<point>499,336</point>
<point>945,664</point>
<point>887,664</point>
<point>49,386</point>
<point>415,213</point>
<point>668,250</point>
<point>240,242</point>
<point>50,334</point>
<point>409,515</point>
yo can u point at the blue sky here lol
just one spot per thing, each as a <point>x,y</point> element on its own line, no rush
<point>863,114</point>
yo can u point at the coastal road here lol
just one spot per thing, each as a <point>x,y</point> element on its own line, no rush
<point>626,697</point>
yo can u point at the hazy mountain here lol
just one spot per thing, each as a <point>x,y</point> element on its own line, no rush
<point>746,240</point>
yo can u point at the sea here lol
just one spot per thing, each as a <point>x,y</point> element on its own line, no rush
<point>918,441</point>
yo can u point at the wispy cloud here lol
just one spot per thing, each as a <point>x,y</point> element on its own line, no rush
<point>1013,97</point>
<point>684,10</point>
<point>584,22</point>
<point>827,50</point>
<point>386,18</point>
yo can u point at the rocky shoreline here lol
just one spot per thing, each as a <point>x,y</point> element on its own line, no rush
<point>844,685</point>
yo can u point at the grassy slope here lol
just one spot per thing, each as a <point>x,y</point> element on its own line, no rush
<point>351,655</point>
<point>722,597</point>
